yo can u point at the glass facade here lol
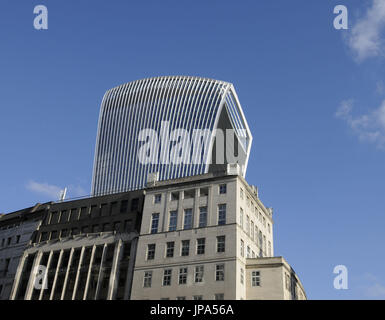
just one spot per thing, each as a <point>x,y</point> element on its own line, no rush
<point>181,102</point>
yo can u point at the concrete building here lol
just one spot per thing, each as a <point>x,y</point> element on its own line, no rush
<point>208,237</point>
<point>16,230</point>
<point>84,249</point>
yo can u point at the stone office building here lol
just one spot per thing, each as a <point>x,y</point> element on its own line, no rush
<point>16,230</point>
<point>209,237</point>
<point>84,248</point>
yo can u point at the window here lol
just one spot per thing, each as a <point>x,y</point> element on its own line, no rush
<point>198,297</point>
<point>183,275</point>
<point>201,243</point>
<point>53,235</point>
<point>219,296</point>
<point>64,233</point>
<point>242,276</point>
<point>287,282</point>
<point>241,193</point>
<point>221,214</point>
<point>255,279</point>
<point>180,298</point>
<point>18,239</point>
<point>203,192</point>
<point>134,204</point>
<point>154,222</point>
<point>248,252</point>
<point>6,267</point>
<point>241,218</point>
<point>264,244</point>
<point>221,244</point>
<point>187,219</point>
<point>220,272</point>
<point>147,279</point>
<point>202,217</point>
<point>43,238</point>
<point>189,194</point>
<point>174,196</point>
<point>222,189</point>
<point>268,228</point>
<point>173,221</point>
<point>199,270</point>
<point>123,206</point>
<point>157,198</point>
<point>269,248</point>
<point>252,230</point>
<point>247,224</point>
<point>264,222</point>
<point>242,248</point>
<point>151,251</point>
<point>185,248</point>
<point>170,249</point>
<point>167,277</point>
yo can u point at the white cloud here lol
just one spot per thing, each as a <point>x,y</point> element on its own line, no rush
<point>44,188</point>
<point>372,288</point>
<point>368,127</point>
<point>367,35</point>
<point>53,191</point>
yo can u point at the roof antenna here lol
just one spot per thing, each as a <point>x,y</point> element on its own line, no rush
<point>62,195</point>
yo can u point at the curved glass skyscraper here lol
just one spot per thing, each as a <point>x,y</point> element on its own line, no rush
<point>175,126</point>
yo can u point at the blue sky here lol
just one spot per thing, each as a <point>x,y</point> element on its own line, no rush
<point>314,97</point>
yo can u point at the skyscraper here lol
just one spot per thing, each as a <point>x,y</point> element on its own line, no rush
<point>174,126</point>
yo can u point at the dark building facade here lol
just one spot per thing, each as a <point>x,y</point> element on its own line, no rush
<point>83,250</point>
<point>16,230</point>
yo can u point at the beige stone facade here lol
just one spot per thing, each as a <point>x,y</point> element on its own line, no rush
<point>202,237</point>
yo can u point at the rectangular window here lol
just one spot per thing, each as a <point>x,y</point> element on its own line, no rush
<point>154,222</point>
<point>221,214</point>
<point>248,253</point>
<point>242,248</point>
<point>18,239</point>
<point>220,272</point>
<point>247,225</point>
<point>221,244</point>
<point>252,230</point>
<point>255,279</point>
<point>201,243</point>
<point>187,224</point>
<point>173,221</point>
<point>167,277</point>
<point>222,189</point>
<point>203,192</point>
<point>182,275</point>
<point>157,198</point>
<point>269,248</point>
<point>180,298</point>
<point>123,206</point>
<point>147,279</point>
<point>242,276</point>
<point>198,297</point>
<point>134,204</point>
<point>219,296</point>
<point>241,193</point>
<point>151,251</point>
<point>199,270</point>
<point>241,218</point>
<point>185,248</point>
<point>174,196</point>
<point>202,217</point>
<point>170,249</point>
